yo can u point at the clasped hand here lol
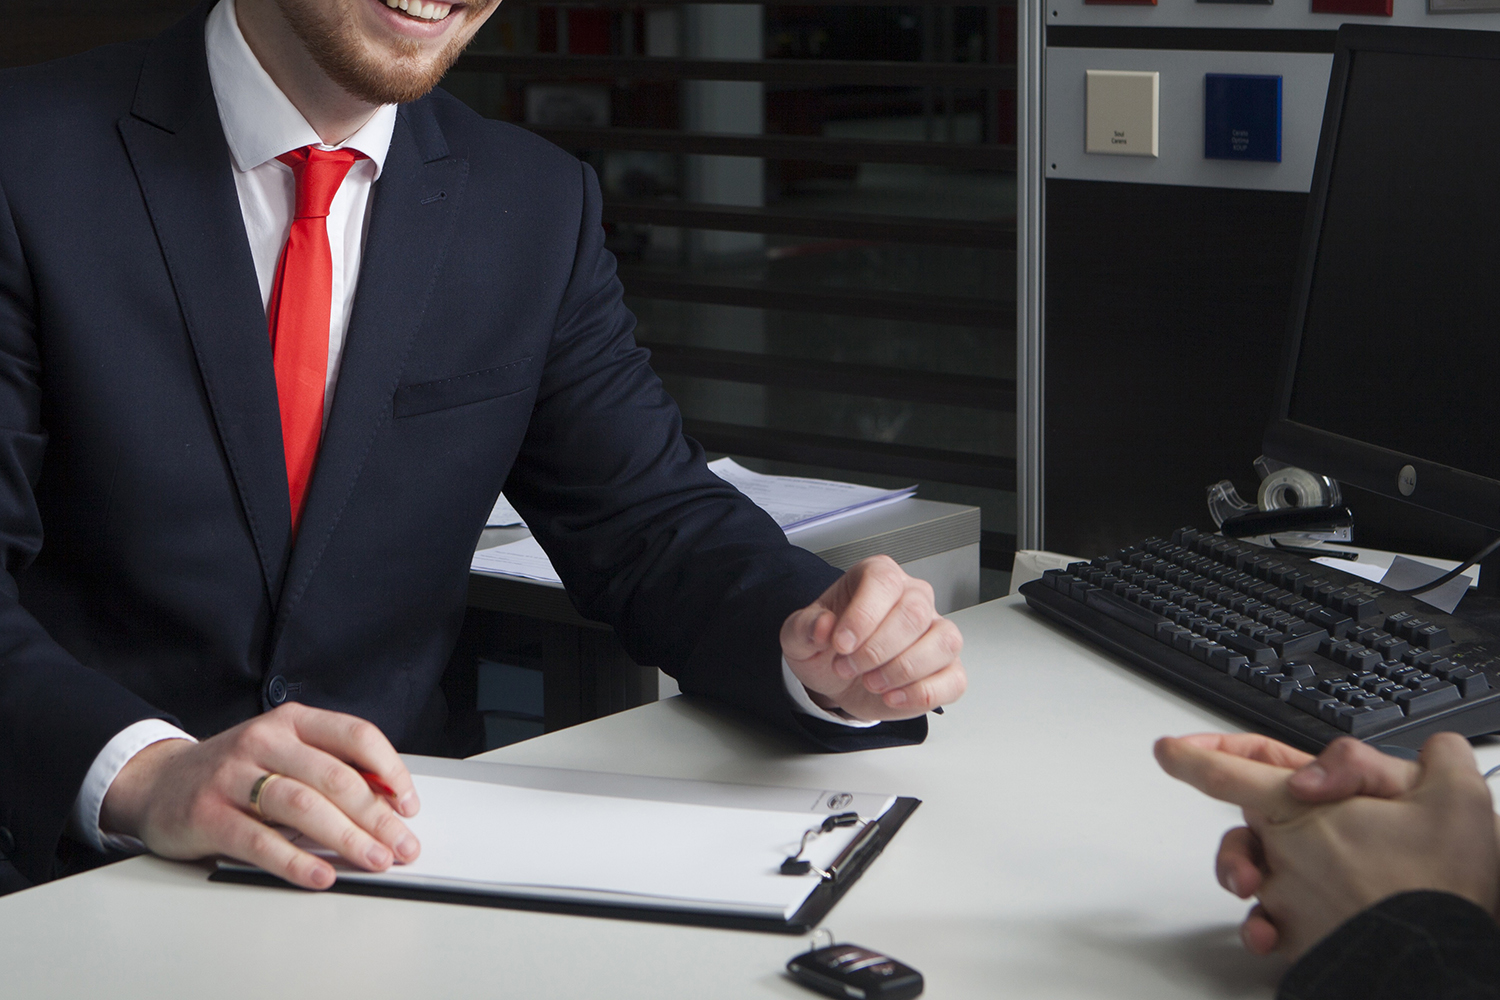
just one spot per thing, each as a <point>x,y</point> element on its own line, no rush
<point>874,646</point>
<point>1328,837</point>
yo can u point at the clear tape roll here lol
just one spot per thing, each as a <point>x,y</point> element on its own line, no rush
<point>1291,487</point>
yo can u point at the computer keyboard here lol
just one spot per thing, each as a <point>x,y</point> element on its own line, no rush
<point>1284,644</point>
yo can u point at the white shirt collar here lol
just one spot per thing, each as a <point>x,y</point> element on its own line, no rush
<point>259,121</point>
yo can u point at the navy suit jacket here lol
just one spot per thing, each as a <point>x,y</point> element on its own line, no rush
<point>149,566</point>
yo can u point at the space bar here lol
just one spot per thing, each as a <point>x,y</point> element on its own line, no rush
<point>1139,618</point>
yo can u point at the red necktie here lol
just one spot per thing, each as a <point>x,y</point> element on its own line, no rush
<point>301,306</point>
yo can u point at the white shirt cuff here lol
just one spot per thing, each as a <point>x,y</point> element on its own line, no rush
<point>83,821</point>
<point>807,706</point>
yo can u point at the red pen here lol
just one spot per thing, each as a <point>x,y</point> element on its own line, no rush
<point>376,785</point>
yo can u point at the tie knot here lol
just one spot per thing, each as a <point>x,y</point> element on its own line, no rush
<point>318,173</point>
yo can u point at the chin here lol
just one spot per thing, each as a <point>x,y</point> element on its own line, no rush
<point>369,64</point>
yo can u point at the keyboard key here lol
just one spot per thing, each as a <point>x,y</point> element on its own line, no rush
<point>1294,644</point>
<point>1226,659</point>
<point>1300,607</point>
<point>1252,649</point>
<point>1323,593</point>
<point>1138,618</point>
<point>1426,659</point>
<point>1470,682</point>
<point>1290,601</point>
<point>1391,647</point>
<point>1341,650</point>
<point>1364,608</point>
<point>1298,670</point>
<point>1291,579</point>
<point>1425,702</point>
<point>1166,630</point>
<point>1308,585</point>
<point>1310,701</point>
<point>1409,628</point>
<point>1335,623</point>
<point>1431,637</point>
<point>1394,622</point>
<point>1280,687</point>
<point>1364,721</point>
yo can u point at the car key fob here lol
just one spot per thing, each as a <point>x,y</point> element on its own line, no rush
<point>847,970</point>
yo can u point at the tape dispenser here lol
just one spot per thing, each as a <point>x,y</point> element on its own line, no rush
<point>1294,509</point>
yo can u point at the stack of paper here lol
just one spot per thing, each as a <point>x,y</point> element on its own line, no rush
<point>798,503</point>
<point>793,502</point>
<point>524,558</point>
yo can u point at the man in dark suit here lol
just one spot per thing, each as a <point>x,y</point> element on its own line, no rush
<point>262,542</point>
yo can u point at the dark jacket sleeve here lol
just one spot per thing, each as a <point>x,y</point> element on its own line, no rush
<point>694,577</point>
<point>1415,946</point>
<point>55,713</point>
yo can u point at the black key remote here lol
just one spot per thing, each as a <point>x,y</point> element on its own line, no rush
<point>847,970</point>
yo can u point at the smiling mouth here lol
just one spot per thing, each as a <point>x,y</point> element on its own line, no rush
<point>422,10</point>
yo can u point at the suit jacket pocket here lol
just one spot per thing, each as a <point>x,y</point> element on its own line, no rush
<point>475,387</point>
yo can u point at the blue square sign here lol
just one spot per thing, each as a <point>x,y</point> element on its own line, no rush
<point>1242,117</point>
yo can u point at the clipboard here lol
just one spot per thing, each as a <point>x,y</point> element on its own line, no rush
<point>722,858</point>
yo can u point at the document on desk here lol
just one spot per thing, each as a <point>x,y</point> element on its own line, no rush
<point>618,841</point>
<point>796,503</point>
<point>523,558</point>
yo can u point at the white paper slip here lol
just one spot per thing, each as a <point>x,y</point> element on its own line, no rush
<point>796,503</point>
<point>504,515</point>
<point>619,850</point>
<point>523,558</point>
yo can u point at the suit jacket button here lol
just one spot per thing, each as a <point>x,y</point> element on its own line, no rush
<point>276,690</point>
<point>7,842</point>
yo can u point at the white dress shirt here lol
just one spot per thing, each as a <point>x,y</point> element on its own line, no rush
<point>260,124</point>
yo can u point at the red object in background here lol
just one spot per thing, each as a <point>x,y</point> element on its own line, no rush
<point>1368,8</point>
<point>588,32</point>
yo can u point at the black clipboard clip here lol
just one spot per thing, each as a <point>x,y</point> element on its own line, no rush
<point>796,864</point>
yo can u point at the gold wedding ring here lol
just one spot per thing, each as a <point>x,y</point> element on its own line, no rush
<point>258,791</point>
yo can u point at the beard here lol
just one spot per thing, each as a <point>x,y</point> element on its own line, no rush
<point>337,47</point>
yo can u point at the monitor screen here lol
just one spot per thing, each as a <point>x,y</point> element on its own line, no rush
<point>1395,342</point>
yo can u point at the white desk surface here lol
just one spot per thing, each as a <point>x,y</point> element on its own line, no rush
<point>1050,859</point>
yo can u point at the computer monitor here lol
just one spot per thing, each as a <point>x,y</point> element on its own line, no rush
<point>1391,380</point>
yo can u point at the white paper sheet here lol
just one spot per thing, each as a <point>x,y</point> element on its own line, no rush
<point>504,515</point>
<point>477,835</point>
<point>796,503</point>
<point>523,558</point>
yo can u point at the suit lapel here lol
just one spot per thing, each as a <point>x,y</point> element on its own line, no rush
<point>416,202</point>
<point>181,160</point>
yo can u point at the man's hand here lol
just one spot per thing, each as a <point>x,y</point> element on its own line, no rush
<point>186,800</point>
<point>1346,767</point>
<point>874,645</point>
<point>1317,865</point>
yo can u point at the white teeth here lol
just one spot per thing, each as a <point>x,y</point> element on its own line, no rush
<point>427,10</point>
